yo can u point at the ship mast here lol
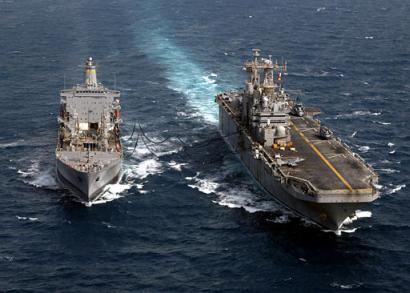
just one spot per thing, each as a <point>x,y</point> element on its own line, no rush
<point>90,73</point>
<point>264,102</point>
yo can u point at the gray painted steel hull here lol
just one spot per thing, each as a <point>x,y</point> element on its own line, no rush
<point>328,215</point>
<point>88,185</point>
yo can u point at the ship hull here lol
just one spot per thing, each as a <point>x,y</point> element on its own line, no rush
<point>328,215</point>
<point>87,186</point>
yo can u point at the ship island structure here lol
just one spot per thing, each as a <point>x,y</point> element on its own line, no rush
<point>295,158</point>
<point>89,151</point>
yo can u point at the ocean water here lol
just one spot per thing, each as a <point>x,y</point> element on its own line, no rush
<point>186,216</point>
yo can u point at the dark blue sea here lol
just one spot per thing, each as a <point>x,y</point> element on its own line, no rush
<point>186,216</point>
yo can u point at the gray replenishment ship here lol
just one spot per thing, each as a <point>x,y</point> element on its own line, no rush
<point>89,152</point>
<point>294,158</point>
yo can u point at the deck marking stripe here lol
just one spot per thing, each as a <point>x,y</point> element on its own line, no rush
<point>323,158</point>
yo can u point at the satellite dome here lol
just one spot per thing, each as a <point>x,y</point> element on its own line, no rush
<point>280,131</point>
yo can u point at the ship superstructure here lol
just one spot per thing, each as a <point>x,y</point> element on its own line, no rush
<point>296,159</point>
<point>89,152</point>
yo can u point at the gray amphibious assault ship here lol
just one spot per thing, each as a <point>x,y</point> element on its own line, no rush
<point>297,161</point>
<point>89,152</point>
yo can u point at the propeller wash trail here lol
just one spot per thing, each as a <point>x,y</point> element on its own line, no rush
<point>183,74</point>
